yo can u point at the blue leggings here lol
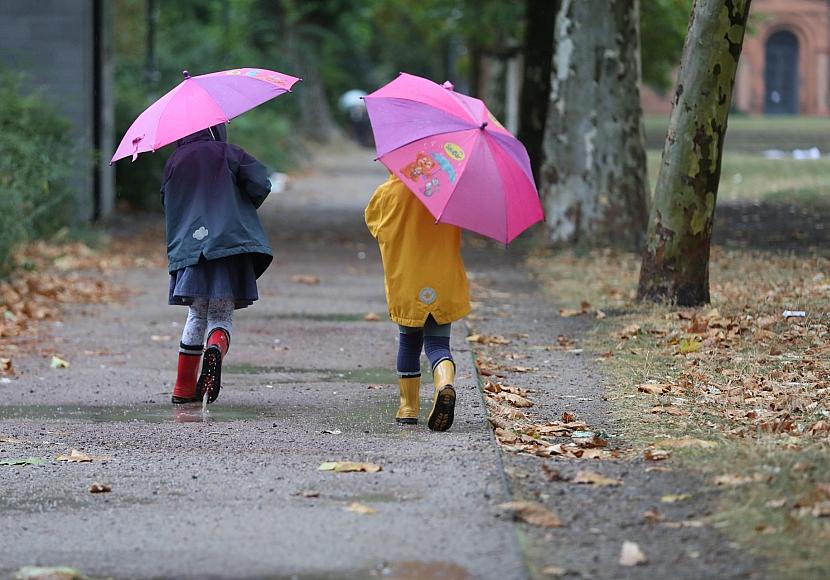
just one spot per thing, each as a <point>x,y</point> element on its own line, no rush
<point>433,338</point>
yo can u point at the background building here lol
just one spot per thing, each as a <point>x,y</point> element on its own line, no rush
<point>785,64</point>
<point>64,49</point>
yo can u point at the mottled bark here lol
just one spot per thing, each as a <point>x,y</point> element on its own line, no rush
<point>538,54</point>
<point>675,264</point>
<point>593,179</point>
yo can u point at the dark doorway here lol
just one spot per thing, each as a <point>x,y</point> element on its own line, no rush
<point>781,74</point>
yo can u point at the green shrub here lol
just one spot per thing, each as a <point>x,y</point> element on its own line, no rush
<point>35,165</point>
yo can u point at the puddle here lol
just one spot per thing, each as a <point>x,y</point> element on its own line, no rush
<point>368,375</point>
<point>395,571</point>
<point>139,413</point>
<point>33,503</point>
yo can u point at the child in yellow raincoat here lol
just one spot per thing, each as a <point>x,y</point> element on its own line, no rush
<point>426,290</point>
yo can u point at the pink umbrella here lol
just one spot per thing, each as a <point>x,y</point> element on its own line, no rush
<point>455,156</point>
<point>201,102</point>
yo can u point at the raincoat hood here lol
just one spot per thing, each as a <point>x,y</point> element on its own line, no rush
<point>215,133</point>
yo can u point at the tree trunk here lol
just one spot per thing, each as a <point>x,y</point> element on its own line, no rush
<point>593,179</point>
<point>675,264</point>
<point>538,54</point>
<point>317,120</point>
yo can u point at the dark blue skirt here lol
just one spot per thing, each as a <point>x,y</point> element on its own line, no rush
<point>229,278</point>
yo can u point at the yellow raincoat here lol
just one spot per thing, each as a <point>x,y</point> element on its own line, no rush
<point>424,273</point>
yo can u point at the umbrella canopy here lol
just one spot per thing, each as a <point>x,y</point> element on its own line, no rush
<point>450,150</point>
<point>201,102</point>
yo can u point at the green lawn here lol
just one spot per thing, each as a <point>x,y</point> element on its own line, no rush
<point>752,177</point>
<point>747,174</point>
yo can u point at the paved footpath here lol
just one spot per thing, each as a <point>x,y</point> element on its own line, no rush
<point>227,497</point>
<point>309,380</point>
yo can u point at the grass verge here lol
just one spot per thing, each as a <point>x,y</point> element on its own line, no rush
<point>745,387</point>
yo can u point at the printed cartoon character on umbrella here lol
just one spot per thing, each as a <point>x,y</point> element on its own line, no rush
<point>452,166</point>
<point>216,246</point>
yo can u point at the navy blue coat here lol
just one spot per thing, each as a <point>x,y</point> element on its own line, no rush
<point>211,191</point>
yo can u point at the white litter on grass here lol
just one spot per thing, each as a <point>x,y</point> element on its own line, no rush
<point>800,154</point>
<point>795,314</point>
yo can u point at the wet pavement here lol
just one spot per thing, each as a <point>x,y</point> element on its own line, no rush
<point>235,492</point>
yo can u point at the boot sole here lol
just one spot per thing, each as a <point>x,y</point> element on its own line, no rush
<point>443,410</point>
<point>182,400</point>
<point>211,378</point>
<point>406,421</point>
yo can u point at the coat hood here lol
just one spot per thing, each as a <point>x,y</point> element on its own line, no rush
<point>215,133</point>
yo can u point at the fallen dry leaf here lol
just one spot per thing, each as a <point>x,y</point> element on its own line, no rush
<point>6,367</point>
<point>349,466</point>
<point>652,516</point>
<point>100,488</point>
<point>533,513</point>
<point>308,493</point>
<point>632,555</point>
<point>76,456</point>
<point>656,454</point>
<point>629,331</point>
<point>551,474</point>
<point>821,509</point>
<point>48,573</point>
<point>516,400</point>
<point>568,417</point>
<point>597,479</point>
<point>684,442</point>
<point>488,339</point>
<point>654,388</point>
<point>58,363</point>
<point>674,498</point>
<point>732,480</point>
<point>361,509</point>
<point>305,279</point>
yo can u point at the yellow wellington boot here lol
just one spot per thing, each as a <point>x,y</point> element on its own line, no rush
<point>443,403</point>
<point>410,401</point>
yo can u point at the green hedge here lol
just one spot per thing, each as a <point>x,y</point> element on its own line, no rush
<point>35,164</point>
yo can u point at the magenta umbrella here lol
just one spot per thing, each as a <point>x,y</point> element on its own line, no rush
<point>465,167</point>
<point>201,102</point>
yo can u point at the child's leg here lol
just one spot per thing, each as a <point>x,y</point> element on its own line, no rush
<point>190,353</point>
<point>410,342</point>
<point>437,348</point>
<point>219,325</point>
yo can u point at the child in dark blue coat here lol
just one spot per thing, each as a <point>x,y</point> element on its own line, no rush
<point>216,249</point>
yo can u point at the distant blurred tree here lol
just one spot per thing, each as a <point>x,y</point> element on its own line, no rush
<point>540,20</point>
<point>663,26</point>
<point>199,36</point>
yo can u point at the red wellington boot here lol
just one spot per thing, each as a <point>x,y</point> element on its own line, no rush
<point>210,380</point>
<point>185,389</point>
